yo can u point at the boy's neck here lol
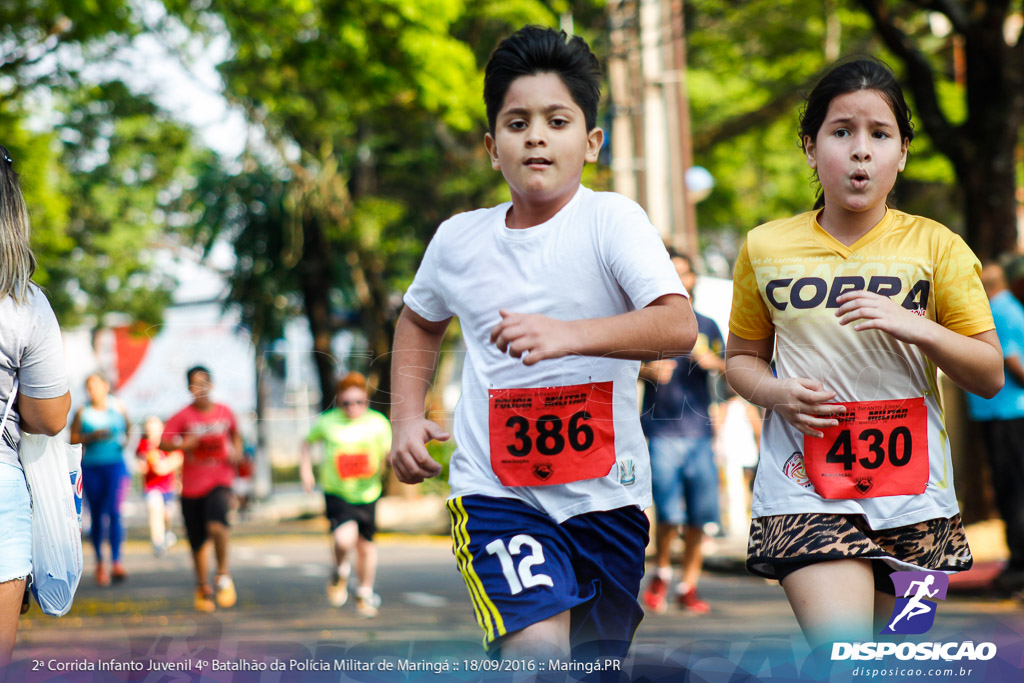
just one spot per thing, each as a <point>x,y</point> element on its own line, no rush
<point>203,406</point>
<point>526,213</point>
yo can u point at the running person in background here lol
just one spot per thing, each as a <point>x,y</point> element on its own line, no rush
<point>208,435</point>
<point>101,427</point>
<point>857,304</point>
<point>356,441</point>
<point>559,293</point>
<point>684,476</point>
<point>160,484</point>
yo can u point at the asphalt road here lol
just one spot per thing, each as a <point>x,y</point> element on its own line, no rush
<point>282,619</point>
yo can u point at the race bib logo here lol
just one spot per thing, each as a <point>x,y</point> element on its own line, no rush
<point>627,472</point>
<point>915,611</point>
<point>794,469</point>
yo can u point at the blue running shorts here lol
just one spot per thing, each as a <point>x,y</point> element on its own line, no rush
<point>521,567</point>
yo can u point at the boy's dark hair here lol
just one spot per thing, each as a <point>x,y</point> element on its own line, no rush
<point>197,368</point>
<point>851,76</point>
<point>538,49</point>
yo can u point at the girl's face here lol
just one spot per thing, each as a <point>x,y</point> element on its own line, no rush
<point>857,153</point>
<point>154,429</point>
<point>97,388</point>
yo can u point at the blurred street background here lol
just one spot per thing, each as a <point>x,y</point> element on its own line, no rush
<point>250,184</point>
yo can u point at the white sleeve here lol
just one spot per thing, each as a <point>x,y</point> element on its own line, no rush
<point>425,295</point>
<point>637,256</point>
<point>41,371</point>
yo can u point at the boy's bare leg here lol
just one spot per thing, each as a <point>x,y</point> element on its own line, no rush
<point>548,639</point>
<point>157,519</point>
<point>201,562</point>
<point>693,554</point>
<point>345,538</point>
<point>220,536</point>
<point>366,562</point>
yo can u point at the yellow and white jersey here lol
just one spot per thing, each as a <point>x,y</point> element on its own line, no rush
<point>788,276</point>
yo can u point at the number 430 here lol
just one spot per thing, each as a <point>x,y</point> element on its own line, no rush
<point>525,578</point>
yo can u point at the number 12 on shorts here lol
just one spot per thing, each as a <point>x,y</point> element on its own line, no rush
<point>520,577</point>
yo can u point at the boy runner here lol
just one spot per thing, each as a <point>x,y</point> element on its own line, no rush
<point>208,435</point>
<point>560,293</point>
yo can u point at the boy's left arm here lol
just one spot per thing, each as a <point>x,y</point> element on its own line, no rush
<point>664,328</point>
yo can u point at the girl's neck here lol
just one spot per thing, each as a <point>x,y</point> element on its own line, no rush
<point>849,226</point>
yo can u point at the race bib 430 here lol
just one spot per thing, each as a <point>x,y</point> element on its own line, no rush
<point>879,448</point>
<point>551,435</point>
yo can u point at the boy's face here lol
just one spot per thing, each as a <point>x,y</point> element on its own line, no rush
<point>200,386</point>
<point>540,140</point>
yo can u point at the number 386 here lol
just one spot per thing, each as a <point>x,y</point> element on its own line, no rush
<point>549,439</point>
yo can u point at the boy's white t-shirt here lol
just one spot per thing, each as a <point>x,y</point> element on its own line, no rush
<point>599,256</point>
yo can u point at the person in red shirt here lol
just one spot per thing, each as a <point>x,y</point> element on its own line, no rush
<point>208,435</point>
<point>160,471</point>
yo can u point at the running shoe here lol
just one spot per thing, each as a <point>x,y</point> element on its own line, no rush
<point>204,599</point>
<point>690,601</point>
<point>102,575</point>
<point>170,539</point>
<point>655,596</point>
<point>226,595</point>
<point>367,605</point>
<point>337,592</point>
<point>119,575</point>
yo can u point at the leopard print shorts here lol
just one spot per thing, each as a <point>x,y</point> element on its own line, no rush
<point>936,544</point>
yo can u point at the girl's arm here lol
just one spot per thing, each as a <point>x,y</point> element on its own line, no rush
<point>799,400</point>
<point>665,327</point>
<point>975,363</point>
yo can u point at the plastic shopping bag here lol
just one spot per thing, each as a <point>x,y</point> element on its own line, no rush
<point>53,469</point>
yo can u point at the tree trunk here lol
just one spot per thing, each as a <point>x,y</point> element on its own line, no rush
<point>990,212</point>
<point>315,281</point>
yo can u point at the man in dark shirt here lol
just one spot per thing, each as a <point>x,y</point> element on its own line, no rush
<point>684,476</point>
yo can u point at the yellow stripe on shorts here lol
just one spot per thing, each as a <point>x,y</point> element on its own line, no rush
<point>487,615</point>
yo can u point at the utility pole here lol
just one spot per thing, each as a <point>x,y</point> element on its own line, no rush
<point>650,135</point>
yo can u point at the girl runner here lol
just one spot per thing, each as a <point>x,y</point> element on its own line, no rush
<point>856,304</point>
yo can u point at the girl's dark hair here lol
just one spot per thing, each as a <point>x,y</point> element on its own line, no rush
<point>538,49</point>
<point>858,74</point>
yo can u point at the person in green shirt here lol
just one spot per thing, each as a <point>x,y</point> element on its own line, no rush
<point>356,441</point>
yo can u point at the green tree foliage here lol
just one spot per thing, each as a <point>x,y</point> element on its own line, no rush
<point>375,116</point>
<point>751,63</point>
<point>127,166</point>
<point>102,179</point>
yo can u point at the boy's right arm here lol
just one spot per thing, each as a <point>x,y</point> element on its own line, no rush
<point>414,360</point>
